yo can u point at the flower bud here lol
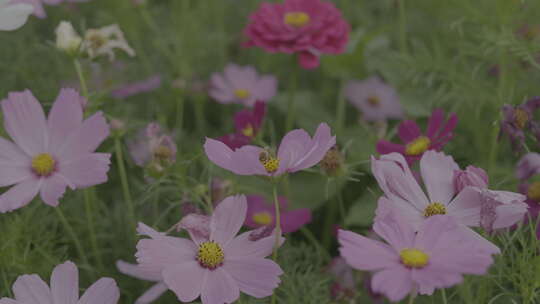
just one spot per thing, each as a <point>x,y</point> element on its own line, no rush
<point>332,163</point>
<point>471,176</point>
<point>67,38</point>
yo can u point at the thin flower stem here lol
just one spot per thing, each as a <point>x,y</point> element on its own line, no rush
<point>125,185</point>
<point>90,221</point>
<point>443,294</point>
<point>80,74</point>
<point>402,26</point>
<point>291,109</point>
<point>278,223</point>
<point>411,298</point>
<point>340,113</point>
<point>72,234</point>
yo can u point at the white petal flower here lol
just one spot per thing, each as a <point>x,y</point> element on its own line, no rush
<point>103,41</point>
<point>67,39</point>
<point>13,16</point>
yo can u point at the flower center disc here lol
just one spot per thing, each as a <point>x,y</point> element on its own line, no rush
<point>43,164</point>
<point>210,255</point>
<point>270,163</point>
<point>162,153</point>
<point>433,209</point>
<point>242,93</point>
<point>413,258</point>
<point>96,40</point>
<point>248,131</point>
<point>522,117</point>
<point>262,218</point>
<point>534,191</point>
<point>374,101</point>
<point>418,146</point>
<point>296,19</point>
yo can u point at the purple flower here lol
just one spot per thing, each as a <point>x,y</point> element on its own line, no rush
<point>132,89</point>
<point>297,151</point>
<point>145,274</point>
<point>48,155</point>
<point>517,120</point>
<point>436,256</point>
<point>344,285</point>
<point>247,124</point>
<point>471,176</point>
<point>261,213</point>
<point>528,165</point>
<point>415,143</point>
<point>152,146</point>
<point>376,100</point>
<point>242,85</point>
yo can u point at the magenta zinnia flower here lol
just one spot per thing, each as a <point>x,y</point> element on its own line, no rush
<point>49,154</point>
<point>242,85</point>
<point>434,257</point>
<point>141,273</point>
<point>215,268</point>
<point>376,100</point>
<point>247,124</point>
<point>415,143</point>
<point>308,28</point>
<point>471,207</point>
<point>261,213</point>
<point>31,289</point>
<point>297,151</point>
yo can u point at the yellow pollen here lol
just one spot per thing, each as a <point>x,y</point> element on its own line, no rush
<point>262,218</point>
<point>270,163</point>
<point>413,258</point>
<point>210,255</point>
<point>373,101</point>
<point>43,164</point>
<point>242,93</point>
<point>433,209</point>
<point>162,153</point>
<point>417,146</point>
<point>296,19</point>
<point>248,131</point>
<point>522,117</point>
<point>534,191</point>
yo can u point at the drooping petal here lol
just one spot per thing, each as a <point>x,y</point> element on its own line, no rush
<point>430,278</point>
<point>366,254</point>
<point>197,225</point>
<point>152,294</point>
<point>185,280</point>
<point>65,116</point>
<point>65,284</point>
<point>255,276</point>
<point>19,195</point>
<point>52,189</point>
<point>24,121</point>
<point>227,219</point>
<point>103,291</point>
<point>86,170</point>
<point>91,133</point>
<point>437,171</point>
<point>395,283</point>
<point>219,287</point>
<point>30,289</point>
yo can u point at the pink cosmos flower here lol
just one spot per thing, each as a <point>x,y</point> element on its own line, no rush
<point>261,213</point>
<point>308,28</point>
<point>31,289</point>
<point>152,145</point>
<point>216,267</point>
<point>415,143</point>
<point>297,151</point>
<point>471,176</point>
<point>39,10</point>
<point>247,124</point>
<point>131,89</point>
<point>528,165</point>
<point>238,84</point>
<point>519,119</point>
<point>434,257</point>
<point>141,273</point>
<point>49,154</point>
<point>376,100</point>
<point>471,207</point>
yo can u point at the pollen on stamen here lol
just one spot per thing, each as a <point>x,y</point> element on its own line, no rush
<point>270,163</point>
<point>533,192</point>
<point>248,131</point>
<point>374,101</point>
<point>418,146</point>
<point>413,258</point>
<point>43,164</point>
<point>262,218</point>
<point>210,255</point>
<point>242,93</point>
<point>296,19</point>
<point>434,209</point>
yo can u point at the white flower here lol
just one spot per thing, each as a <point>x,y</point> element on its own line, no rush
<point>13,16</point>
<point>103,41</point>
<point>67,38</point>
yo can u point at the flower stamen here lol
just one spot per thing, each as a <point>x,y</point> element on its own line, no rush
<point>434,209</point>
<point>413,258</point>
<point>242,93</point>
<point>262,218</point>
<point>418,146</point>
<point>210,255</point>
<point>270,163</point>
<point>534,191</point>
<point>248,131</point>
<point>43,164</point>
<point>522,117</point>
<point>374,101</point>
<point>296,19</point>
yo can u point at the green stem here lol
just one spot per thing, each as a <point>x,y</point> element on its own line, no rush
<point>291,109</point>
<point>199,115</point>
<point>340,114</point>
<point>309,235</point>
<point>411,298</point>
<point>80,74</point>
<point>402,26</point>
<point>341,205</point>
<point>125,185</point>
<point>180,113</point>
<point>278,223</point>
<point>443,294</point>
<point>91,228</point>
<point>72,234</point>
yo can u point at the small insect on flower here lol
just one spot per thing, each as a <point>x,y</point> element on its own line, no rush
<point>64,288</point>
<point>104,41</point>
<point>434,257</point>
<point>51,154</point>
<point>215,264</point>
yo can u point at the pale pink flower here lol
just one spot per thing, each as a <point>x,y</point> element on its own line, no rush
<point>216,267</point>
<point>434,255</point>
<point>39,9</point>
<point>528,165</point>
<point>297,151</point>
<point>13,15</point>
<point>243,85</point>
<point>48,155</point>
<point>64,289</point>
<point>152,144</point>
<point>141,273</point>
<point>471,176</point>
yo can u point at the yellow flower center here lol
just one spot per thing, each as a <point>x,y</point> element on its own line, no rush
<point>96,39</point>
<point>373,101</point>
<point>417,146</point>
<point>163,153</point>
<point>534,191</point>
<point>413,258</point>
<point>248,131</point>
<point>296,19</point>
<point>522,117</point>
<point>242,93</point>
<point>270,163</point>
<point>433,209</point>
<point>43,164</point>
<point>210,255</point>
<point>262,218</point>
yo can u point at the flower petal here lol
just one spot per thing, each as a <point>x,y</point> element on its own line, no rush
<point>152,294</point>
<point>227,219</point>
<point>15,164</point>
<point>185,280</point>
<point>52,189</point>
<point>465,207</point>
<point>86,170</point>
<point>365,254</point>
<point>242,161</point>
<point>437,171</point>
<point>395,283</point>
<point>243,247</point>
<point>19,195</point>
<point>65,116</point>
<point>14,16</point>
<point>30,289</point>
<point>138,271</point>
<point>408,131</point>
<point>256,277</point>
<point>91,133</point>
<point>104,291</point>
<point>394,229</point>
<point>65,284</point>
<point>219,287</point>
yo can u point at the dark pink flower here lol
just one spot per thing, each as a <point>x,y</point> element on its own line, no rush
<point>262,213</point>
<point>519,119</point>
<point>247,124</point>
<point>415,143</point>
<point>308,28</point>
